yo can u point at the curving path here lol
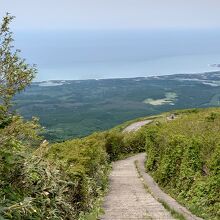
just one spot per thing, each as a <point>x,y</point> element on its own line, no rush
<point>127,198</point>
<point>136,126</point>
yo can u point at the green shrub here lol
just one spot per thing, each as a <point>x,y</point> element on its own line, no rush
<point>41,191</point>
<point>135,142</point>
<point>114,145</point>
<point>119,145</point>
<point>183,157</point>
<point>86,164</point>
<point>152,148</point>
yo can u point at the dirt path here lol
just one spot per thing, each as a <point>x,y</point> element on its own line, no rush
<point>127,198</point>
<point>136,126</point>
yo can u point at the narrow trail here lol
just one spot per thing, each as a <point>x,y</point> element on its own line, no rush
<point>137,125</point>
<point>127,198</point>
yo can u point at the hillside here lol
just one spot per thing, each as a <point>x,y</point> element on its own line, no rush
<point>70,109</point>
<point>182,156</point>
<point>68,180</point>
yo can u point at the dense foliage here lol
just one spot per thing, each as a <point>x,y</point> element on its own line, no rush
<point>119,145</point>
<point>184,158</point>
<point>86,163</point>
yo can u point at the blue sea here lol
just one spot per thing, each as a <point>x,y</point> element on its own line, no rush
<point>80,54</point>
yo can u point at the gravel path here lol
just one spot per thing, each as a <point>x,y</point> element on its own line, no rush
<point>127,198</point>
<point>136,126</point>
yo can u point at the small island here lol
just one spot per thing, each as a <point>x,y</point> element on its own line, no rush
<point>215,65</point>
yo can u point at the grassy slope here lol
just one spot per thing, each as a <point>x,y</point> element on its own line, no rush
<point>183,157</point>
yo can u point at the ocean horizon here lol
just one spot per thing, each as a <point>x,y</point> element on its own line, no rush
<point>78,55</point>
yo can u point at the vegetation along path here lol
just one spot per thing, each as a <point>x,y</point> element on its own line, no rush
<point>133,193</point>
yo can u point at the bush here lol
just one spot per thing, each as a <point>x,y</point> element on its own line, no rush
<point>86,164</point>
<point>135,142</point>
<point>183,157</point>
<point>41,191</point>
<point>119,145</point>
<point>114,145</point>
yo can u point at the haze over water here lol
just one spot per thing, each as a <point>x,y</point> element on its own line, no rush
<point>115,54</point>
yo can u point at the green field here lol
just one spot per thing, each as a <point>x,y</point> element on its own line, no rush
<point>170,98</point>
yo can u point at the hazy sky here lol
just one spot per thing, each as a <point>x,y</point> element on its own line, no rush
<point>112,14</point>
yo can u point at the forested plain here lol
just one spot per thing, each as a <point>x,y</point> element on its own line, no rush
<point>69,109</point>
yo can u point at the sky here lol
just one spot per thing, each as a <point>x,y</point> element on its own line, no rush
<point>81,39</point>
<point>112,14</point>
